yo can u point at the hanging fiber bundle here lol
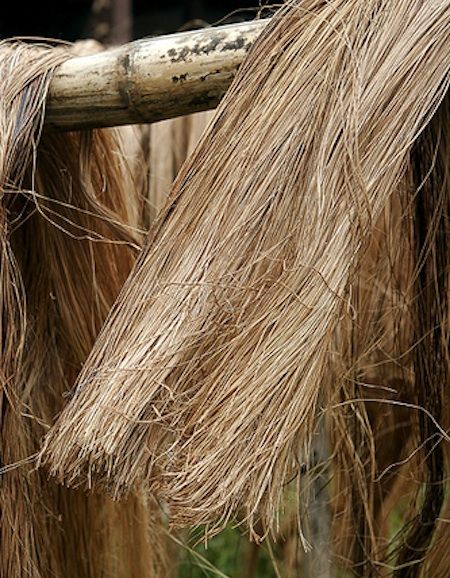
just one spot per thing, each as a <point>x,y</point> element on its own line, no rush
<point>163,147</point>
<point>430,208</point>
<point>204,382</point>
<point>68,240</point>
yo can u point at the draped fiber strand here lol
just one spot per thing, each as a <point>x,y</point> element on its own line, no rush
<point>431,330</point>
<point>203,384</point>
<point>300,257</point>
<point>387,465</point>
<point>68,240</point>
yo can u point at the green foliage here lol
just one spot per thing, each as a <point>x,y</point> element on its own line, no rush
<point>226,555</point>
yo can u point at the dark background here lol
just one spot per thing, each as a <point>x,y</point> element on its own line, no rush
<point>115,21</point>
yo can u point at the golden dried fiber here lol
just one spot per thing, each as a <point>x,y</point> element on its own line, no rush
<point>390,436</point>
<point>430,166</point>
<point>372,365</point>
<point>165,147</point>
<point>203,383</point>
<point>68,240</point>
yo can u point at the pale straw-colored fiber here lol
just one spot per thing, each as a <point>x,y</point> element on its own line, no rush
<point>164,147</point>
<point>203,383</point>
<point>68,239</point>
<point>300,266</point>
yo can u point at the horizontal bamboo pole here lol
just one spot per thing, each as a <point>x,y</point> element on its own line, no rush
<point>150,79</point>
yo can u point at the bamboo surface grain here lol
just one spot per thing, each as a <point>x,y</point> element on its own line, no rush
<point>150,79</point>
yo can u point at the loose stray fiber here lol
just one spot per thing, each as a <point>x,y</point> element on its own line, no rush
<point>431,328</point>
<point>386,465</point>
<point>68,240</point>
<point>204,381</point>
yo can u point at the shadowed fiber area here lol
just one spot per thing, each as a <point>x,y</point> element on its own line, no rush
<point>239,315</point>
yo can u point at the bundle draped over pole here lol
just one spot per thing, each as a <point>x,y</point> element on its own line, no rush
<point>69,235</point>
<point>278,348</point>
<point>244,308</point>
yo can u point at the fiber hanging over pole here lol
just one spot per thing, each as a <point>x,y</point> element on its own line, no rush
<point>204,384</point>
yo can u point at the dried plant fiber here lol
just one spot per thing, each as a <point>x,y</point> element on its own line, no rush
<point>167,144</point>
<point>385,466</point>
<point>68,240</point>
<point>154,152</point>
<point>204,382</point>
<point>430,167</point>
<point>390,437</point>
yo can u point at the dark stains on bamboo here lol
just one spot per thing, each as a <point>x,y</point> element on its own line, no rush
<point>199,49</point>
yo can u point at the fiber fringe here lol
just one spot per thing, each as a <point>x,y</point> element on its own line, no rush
<point>203,384</point>
<point>68,240</point>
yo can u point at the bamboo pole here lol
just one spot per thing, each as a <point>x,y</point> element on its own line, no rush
<point>149,80</point>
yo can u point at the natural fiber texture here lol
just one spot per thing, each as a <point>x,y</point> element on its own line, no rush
<point>68,241</point>
<point>204,381</point>
<point>372,428</point>
<point>389,436</point>
<point>165,146</point>
<point>431,331</point>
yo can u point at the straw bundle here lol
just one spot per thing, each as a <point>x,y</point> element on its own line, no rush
<point>68,241</point>
<point>389,438</point>
<point>204,382</point>
<point>166,146</point>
